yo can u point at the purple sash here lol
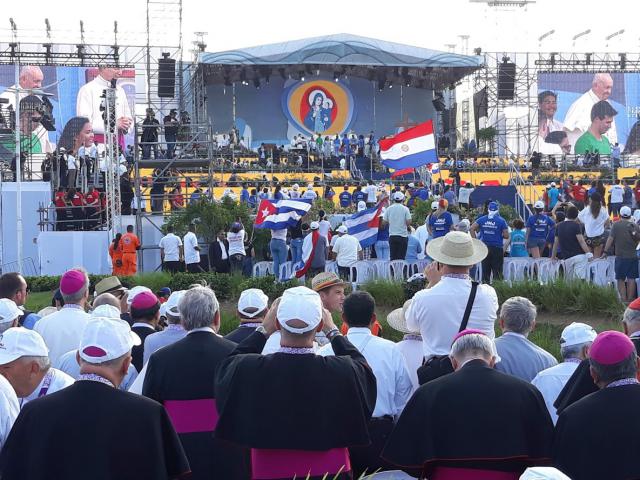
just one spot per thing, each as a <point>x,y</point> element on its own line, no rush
<point>271,463</point>
<point>192,416</point>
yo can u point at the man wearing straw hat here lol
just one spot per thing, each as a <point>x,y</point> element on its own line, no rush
<point>438,311</point>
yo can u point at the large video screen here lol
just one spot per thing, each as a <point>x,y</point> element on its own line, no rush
<point>71,95</point>
<point>588,113</point>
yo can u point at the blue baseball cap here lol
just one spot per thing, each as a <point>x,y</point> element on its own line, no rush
<point>493,206</point>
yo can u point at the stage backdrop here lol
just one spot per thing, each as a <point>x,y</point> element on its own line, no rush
<point>573,106</point>
<point>277,111</point>
<point>64,83</point>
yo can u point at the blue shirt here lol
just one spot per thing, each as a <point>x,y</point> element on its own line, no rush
<point>263,195</point>
<point>253,201</point>
<point>450,197</point>
<point>441,225</point>
<point>413,248</point>
<point>383,233</point>
<point>195,196</point>
<point>345,199</point>
<point>244,196</point>
<point>30,320</point>
<point>359,196</point>
<point>540,225</point>
<point>518,244</point>
<point>491,230</point>
<point>553,194</point>
<point>278,196</point>
<point>423,194</point>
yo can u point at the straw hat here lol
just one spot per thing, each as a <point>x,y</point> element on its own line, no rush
<point>398,321</point>
<point>457,249</point>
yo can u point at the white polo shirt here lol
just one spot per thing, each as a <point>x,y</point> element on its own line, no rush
<point>9,409</point>
<point>551,381</point>
<point>437,313</point>
<point>346,249</point>
<point>171,244</point>
<point>394,386</point>
<point>62,330</point>
<point>191,255</point>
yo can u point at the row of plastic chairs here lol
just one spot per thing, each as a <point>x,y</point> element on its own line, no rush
<point>545,270</point>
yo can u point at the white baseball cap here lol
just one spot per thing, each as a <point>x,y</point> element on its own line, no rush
<point>314,226</point>
<point>343,229</point>
<point>398,196</point>
<point>135,291</point>
<point>361,206</point>
<point>434,205</point>
<point>411,185</point>
<point>19,342</point>
<point>553,184</point>
<point>296,186</point>
<point>539,205</point>
<point>105,339</point>
<point>171,305</point>
<point>625,212</point>
<point>252,302</point>
<point>106,311</point>
<point>543,473</point>
<point>303,304</point>
<point>9,311</point>
<point>577,333</point>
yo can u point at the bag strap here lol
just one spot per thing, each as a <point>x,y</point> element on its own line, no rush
<point>467,311</point>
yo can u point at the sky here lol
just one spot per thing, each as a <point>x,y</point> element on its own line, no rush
<point>423,23</point>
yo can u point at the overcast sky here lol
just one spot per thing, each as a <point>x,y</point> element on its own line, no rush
<point>424,23</point>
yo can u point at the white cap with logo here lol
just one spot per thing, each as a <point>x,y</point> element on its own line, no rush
<point>539,205</point>
<point>252,302</point>
<point>303,304</point>
<point>19,342</point>
<point>171,305</point>
<point>105,339</point>
<point>314,226</point>
<point>398,196</point>
<point>343,229</point>
<point>577,333</point>
<point>9,311</point>
<point>625,212</point>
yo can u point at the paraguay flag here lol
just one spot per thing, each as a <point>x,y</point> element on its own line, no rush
<point>364,225</point>
<point>280,214</point>
<point>410,149</point>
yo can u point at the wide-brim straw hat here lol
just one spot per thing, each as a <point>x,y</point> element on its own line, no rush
<point>397,319</point>
<point>457,249</point>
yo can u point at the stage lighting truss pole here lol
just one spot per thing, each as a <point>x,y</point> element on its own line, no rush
<point>112,156</point>
<point>18,168</point>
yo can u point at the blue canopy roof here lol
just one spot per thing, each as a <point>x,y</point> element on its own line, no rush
<point>342,49</point>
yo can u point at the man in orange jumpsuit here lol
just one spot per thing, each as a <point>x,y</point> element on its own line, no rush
<point>130,245</point>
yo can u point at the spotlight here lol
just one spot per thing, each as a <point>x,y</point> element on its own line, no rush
<point>390,85</point>
<point>587,60</point>
<point>243,77</point>
<point>301,75</point>
<point>336,76</point>
<point>477,51</point>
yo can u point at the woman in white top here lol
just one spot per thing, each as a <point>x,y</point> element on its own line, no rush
<point>235,237</point>
<point>595,219</point>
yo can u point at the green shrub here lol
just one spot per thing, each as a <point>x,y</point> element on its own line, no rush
<point>386,293</point>
<point>268,285</point>
<point>219,283</point>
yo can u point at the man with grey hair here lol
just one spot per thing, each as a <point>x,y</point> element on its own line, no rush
<point>578,118</point>
<point>507,429</point>
<point>181,376</point>
<point>91,426</point>
<point>596,437</point>
<point>24,361</point>
<point>518,355</point>
<point>574,347</point>
<point>62,330</point>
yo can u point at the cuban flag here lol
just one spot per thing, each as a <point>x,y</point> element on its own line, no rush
<point>280,214</point>
<point>364,225</point>
<point>410,149</point>
<point>434,167</point>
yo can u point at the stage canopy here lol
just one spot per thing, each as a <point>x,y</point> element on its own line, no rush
<point>341,55</point>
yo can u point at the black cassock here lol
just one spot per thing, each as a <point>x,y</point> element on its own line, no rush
<point>181,377</point>
<point>296,412</point>
<point>597,437</point>
<point>580,384</point>
<point>474,418</point>
<point>90,430</point>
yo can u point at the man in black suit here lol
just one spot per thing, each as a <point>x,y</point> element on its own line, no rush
<point>181,377</point>
<point>504,429</point>
<point>219,254</point>
<point>91,429</point>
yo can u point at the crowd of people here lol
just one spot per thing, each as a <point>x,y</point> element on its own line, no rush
<point>140,384</point>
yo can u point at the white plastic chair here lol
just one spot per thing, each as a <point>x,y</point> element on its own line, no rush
<point>286,270</point>
<point>331,266</point>
<point>598,272</point>
<point>544,270</point>
<point>397,269</point>
<point>478,275</point>
<point>360,273</point>
<point>516,269</point>
<point>262,269</point>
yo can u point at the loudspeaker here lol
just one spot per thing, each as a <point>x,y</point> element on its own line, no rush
<point>506,80</point>
<point>166,77</point>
